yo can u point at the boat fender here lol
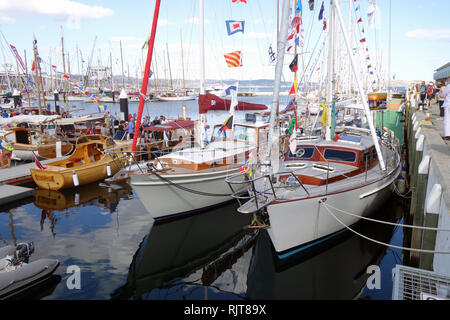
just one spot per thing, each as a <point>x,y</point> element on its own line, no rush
<point>76,183</point>
<point>108,169</point>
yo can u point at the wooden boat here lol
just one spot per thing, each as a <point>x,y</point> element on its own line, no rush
<point>95,157</point>
<point>194,177</point>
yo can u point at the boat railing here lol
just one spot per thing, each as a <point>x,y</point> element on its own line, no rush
<point>260,198</point>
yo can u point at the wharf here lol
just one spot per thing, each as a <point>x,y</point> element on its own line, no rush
<point>12,180</point>
<point>428,159</point>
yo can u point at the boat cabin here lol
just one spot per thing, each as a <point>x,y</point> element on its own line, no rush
<point>318,162</point>
<point>162,138</point>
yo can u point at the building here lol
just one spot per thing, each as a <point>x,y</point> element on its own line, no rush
<point>442,73</point>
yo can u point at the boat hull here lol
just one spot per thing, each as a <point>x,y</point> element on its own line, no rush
<point>56,179</point>
<point>296,225</point>
<point>151,190</point>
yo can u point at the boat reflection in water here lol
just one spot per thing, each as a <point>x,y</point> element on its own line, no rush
<point>204,255</point>
<point>338,270</point>
<point>210,256</point>
<point>96,194</point>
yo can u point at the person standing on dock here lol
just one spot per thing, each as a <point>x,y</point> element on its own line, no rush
<point>441,99</point>
<point>445,94</point>
<point>423,93</point>
<point>430,95</point>
<point>130,129</point>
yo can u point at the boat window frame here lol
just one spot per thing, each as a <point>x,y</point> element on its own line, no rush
<point>341,150</point>
<point>293,156</point>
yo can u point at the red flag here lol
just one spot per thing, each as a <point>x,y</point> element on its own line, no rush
<point>244,1</point>
<point>336,137</point>
<point>66,76</point>
<point>19,59</point>
<point>38,163</point>
<point>54,67</point>
<point>360,20</point>
<point>33,66</point>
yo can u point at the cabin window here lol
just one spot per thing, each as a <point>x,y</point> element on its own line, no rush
<point>374,153</point>
<point>366,157</point>
<point>245,134</point>
<point>339,155</point>
<point>302,153</point>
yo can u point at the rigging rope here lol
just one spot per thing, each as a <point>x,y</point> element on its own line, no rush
<point>383,243</point>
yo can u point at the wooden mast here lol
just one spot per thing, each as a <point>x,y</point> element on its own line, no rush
<point>148,62</point>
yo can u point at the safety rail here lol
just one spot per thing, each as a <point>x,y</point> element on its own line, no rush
<point>258,199</point>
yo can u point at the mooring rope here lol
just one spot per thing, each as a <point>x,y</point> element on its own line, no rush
<point>386,222</point>
<point>202,193</point>
<point>383,243</point>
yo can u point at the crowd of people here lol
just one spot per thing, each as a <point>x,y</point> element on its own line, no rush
<point>422,96</point>
<point>124,130</point>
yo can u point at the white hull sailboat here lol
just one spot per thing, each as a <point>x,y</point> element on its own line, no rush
<point>193,179</point>
<point>325,184</point>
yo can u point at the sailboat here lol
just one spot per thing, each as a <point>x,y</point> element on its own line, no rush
<point>174,95</point>
<point>194,178</point>
<point>322,183</point>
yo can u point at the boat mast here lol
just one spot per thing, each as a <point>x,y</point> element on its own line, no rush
<point>330,69</point>
<point>281,45</point>
<point>182,63</point>
<point>360,88</point>
<point>148,62</point>
<point>66,98</point>
<point>389,54</point>
<point>202,47</point>
<point>170,70</point>
<point>121,61</point>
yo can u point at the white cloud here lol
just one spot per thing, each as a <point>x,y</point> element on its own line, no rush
<point>58,9</point>
<point>430,34</point>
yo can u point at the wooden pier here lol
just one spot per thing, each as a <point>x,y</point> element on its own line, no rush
<point>12,180</point>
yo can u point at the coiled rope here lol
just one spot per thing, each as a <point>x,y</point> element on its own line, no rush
<point>380,242</point>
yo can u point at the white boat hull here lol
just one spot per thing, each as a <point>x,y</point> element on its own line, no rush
<point>298,224</point>
<point>180,98</point>
<point>164,200</point>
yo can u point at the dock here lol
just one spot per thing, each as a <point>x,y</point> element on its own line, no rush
<point>12,180</point>
<point>429,178</point>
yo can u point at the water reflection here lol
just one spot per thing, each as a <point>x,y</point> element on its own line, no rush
<point>210,256</point>
<point>96,228</point>
<point>198,257</point>
<point>338,270</point>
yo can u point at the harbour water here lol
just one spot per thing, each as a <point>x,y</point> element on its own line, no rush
<point>105,233</point>
<point>122,254</point>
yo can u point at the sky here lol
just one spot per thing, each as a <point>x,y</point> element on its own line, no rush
<point>420,33</point>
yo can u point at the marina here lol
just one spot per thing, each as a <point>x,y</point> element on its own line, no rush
<point>330,187</point>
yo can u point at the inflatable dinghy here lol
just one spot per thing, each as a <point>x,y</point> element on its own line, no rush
<point>17,274</point>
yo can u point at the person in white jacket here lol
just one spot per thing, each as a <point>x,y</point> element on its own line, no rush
<point>445,94</point>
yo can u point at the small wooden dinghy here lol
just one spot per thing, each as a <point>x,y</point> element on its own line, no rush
<point>95,158</point>
<point>17,275</point>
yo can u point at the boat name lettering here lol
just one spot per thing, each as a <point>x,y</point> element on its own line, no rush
<point>44,177</point>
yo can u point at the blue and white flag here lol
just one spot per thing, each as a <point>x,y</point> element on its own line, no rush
<point>234,26</point>
<point>232,91</point>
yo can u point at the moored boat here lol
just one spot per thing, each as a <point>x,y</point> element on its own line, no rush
<point>95,158</point>
<point>194,178</point>
<point>17,275</point>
